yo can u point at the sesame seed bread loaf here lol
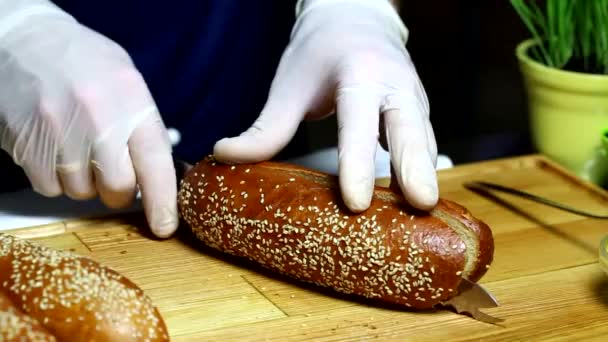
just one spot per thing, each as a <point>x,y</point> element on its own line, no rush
<point>57,295</point>
<point>291,220</point>
<point>17,326</point>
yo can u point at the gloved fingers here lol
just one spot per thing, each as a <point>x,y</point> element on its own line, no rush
<point>357,115</point>
<point>34,148</point>
<point>430,134</point>
<point>77,179</point>
<point>268,135</point>
<point>394,182</point>
<point>294,92</point>
<point>423,107</point>
<point>73,161</point>
<point>432,142</point>
<point>413,157</point>
<point>150,151</point>
<point>113,172</point>
<point>44,180</point>
<point>112,115</point>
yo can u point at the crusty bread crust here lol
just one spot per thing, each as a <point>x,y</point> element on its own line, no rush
<point>16,326</point>
<point>71,297</point>
<point>291,220</point>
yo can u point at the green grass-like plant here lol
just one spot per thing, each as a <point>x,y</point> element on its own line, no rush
<point>572,34</point>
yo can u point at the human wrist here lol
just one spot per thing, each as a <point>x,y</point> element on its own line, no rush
<point>385,7</point>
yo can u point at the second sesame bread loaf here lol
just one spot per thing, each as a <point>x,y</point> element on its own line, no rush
<point>62,296</point>
<point>292,220</point>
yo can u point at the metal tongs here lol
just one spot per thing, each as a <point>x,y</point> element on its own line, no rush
<point>484,186</point>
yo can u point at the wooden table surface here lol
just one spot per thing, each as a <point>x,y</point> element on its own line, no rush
<point>545,272</point>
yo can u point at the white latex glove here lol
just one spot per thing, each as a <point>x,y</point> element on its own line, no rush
<point>349,56</point>
<point>77,116</point>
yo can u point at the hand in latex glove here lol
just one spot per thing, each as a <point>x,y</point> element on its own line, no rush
<point>349,56</point>
<point>77,116</point>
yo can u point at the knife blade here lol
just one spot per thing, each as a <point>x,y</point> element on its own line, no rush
<point>471,298</point>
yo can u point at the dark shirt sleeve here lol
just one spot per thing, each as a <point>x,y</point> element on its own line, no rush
<point>208,64</point>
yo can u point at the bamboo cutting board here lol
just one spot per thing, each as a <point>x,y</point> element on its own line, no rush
<point>545,272</point>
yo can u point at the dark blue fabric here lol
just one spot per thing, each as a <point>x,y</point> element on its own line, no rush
<point>208,64</point>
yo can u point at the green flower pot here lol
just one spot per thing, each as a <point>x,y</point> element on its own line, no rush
<point>568,115</point>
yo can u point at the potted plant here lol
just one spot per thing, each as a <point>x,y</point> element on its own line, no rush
<point>564,66</point>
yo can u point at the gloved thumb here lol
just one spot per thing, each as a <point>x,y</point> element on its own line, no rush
<point>290,99</point>
<point>268,135</point>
